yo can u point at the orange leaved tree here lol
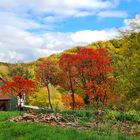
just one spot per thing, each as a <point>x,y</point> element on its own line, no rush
<point>68,103</point>
<point>46,74</point>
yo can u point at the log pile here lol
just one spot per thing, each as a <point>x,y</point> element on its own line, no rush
<point>52,119</point>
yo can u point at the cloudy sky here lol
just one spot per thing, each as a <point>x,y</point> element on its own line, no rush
<point>30,29</point>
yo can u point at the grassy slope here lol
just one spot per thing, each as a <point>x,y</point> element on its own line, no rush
<point>38,131</point>
<point>34,131</point>
<point>6,115</point>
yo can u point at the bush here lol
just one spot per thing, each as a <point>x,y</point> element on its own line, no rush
<point>67,101</point>
<point>41,98</point>
<point>81,114</point>
<point>133,116</point>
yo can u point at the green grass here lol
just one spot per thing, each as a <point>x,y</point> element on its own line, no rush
<point>34,131</point>
<point>83,116</point>
<point>42,131</point>
<point>7,115</point>
<point>86,115</point>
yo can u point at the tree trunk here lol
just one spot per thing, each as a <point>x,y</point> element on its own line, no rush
<point>73,101</point>
<point>49,97</point>
<point>86,100</point>
<point>73,97</point>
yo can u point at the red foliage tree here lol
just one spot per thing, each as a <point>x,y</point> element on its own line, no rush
<point>68,103</point>
<point>68,74</point>
<point>18,87</point>
<point>93,67</point>
<point>46,74</point>
<point>88,69</point>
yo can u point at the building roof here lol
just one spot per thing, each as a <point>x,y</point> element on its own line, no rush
<point>4,98</point>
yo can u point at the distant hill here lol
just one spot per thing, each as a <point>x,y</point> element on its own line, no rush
<point>112,45</point>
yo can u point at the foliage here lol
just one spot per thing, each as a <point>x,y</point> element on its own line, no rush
<point>18,86</point>
<point>47,74</point>
<point>127,65</point>
<point>68,75</point>
<point>67,101</point>
<point>133,116</point>
<point>82,115</point>
<point>39,98</point>
<point>4,70</point>
<point>20,70</point>
<point>72,50</point>
<point>89,70</point>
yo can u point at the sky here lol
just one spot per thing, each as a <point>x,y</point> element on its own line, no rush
<point>30,29</point>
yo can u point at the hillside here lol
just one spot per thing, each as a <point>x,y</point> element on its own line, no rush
<point>115,46</point>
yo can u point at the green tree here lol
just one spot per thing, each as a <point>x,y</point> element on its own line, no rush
<point>20,69</point>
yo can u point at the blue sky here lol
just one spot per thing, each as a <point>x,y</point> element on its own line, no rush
<point>38,28</point>
<point>131,8</point>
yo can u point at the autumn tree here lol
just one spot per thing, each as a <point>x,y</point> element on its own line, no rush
<point>127,65</point>
<point>68,75</point>
<point>46,74</point>
<point>19,87</point>
<point>89,70</point>
<point>94,66</point>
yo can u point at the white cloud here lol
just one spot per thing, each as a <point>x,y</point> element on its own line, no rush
<point>12,19</point>
<point>15,41</point>
<point>41,14</point>
<point>17,17</point>
<point>21,45</point>
<point>57,42</point>
<point>110,14</point>
<point>64,8</point>
<point>89,36</point>
<point>11,56</point>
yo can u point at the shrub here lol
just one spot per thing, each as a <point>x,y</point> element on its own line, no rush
<point>67,101</point>
<point>82,115</point>
<point>40,99</point>
<point>133,116</point>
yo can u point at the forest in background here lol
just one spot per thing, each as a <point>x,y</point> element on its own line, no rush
<point>125,62</point>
